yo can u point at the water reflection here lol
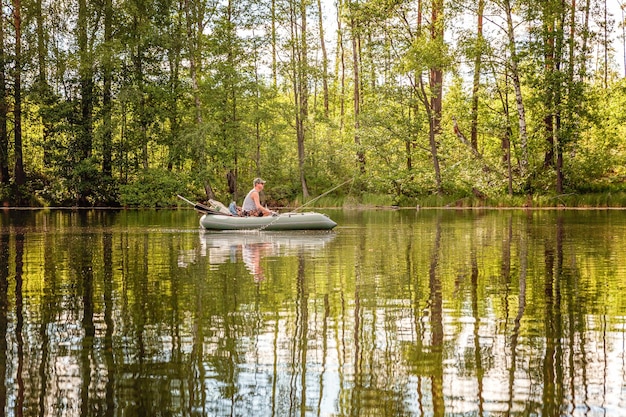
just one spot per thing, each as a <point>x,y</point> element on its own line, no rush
<point>251,247</point>
<point>4,319</point>
<point>393,313</point>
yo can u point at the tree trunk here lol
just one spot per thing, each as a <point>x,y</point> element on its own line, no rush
<point>324,59</point>
<point>572,47</point>
<point>360,155</point>
<point>585,35</point>
<point>606,45</point>
<point>508,130</point>
<point>173,116</point>
<point>299,78</point>
<point>560,136</point>
<point>274,49</point>
<point>195,28</point>
<point>477,68</point>
<point>432,139</point>
<point>41,46</point>
<point>415,94</point>
<point>44,95</point>
<point>553,38</point>
<point>257,120</point>
<point>303,94</point>
<point>139,80</point>
<point>174,62</point>
<point>107,107</point>
<point>85,140</point>
<point>549,93</point>
<point>19,176</point>
<point>572,94</point>
<point>4,109</point>
<point>506,146</point>
<point>517,86</point>
<point>340,71</point>
<point>436,74</point>
<point>232,87</point>
<point>434,108</point>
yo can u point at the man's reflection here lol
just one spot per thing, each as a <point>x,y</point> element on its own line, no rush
<point>252,254</point>
<point>221,248</point>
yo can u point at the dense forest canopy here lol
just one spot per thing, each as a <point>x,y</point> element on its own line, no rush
<point>128,102</point>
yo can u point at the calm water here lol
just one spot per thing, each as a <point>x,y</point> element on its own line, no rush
<point>395,313</point>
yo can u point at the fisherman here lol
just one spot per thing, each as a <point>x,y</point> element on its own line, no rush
<point>252,203</point>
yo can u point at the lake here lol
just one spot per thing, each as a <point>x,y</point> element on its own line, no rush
<point>394,313</point>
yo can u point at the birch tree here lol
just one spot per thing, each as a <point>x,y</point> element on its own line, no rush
<point>517,85</point>
<point>4,108</point>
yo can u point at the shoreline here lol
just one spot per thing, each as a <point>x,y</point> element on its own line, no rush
<point>349,207</point>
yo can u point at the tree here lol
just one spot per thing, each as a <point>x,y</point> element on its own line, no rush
<point>356,97</point>
<point>107,79</point>
<point>340,65</point>
<point>4,109</point>
<point>300,80</point>
<point>517,86</point>
<point>434,108</point>
<point>19,175</point>
<point>85,135</point>
<point>477,68</point>
<point>140,23</point>
<point>324,59</point>
<point>173,93</point>
<point>43,94</point>
<point>195,18</point>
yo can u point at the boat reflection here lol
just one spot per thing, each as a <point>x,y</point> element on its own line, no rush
<point>251,247</point>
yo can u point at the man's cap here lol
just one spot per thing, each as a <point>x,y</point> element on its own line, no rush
<point>258,181</point>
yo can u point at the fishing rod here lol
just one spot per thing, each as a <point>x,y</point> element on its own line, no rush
<point>199,207</point>
<point>322,195</point>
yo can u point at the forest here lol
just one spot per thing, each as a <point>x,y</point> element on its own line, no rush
<point>130,102</point>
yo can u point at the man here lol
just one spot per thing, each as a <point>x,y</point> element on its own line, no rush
<point>252,203</point>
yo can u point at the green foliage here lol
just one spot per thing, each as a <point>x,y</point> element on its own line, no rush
<point>426,53</point>
<point>5,193</point>
<point>204,100</point>
<point>153,188</point>
<point>81,185</point>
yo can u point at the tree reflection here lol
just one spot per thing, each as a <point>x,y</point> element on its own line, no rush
<point>436,323</point>
<point>552,377</point>
<point>107,267</point>
<point>19,320</point>
<point>48,306</point>
<point>83,265</point>
<point>476,316</point>
<point>4,307</point>
<point>298,366</point>
<point>407,314</point>
<point>521,306</point>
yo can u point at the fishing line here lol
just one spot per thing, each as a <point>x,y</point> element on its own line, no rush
<point>322,195</point>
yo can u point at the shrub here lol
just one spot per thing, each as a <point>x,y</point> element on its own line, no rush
<point>153,188</point>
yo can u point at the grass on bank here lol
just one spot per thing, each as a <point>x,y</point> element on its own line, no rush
<point>588,200</point>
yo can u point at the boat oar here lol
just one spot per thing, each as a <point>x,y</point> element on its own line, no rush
<point>199,207</point>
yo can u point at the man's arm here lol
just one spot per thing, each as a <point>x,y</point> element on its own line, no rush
<point>257,203</point>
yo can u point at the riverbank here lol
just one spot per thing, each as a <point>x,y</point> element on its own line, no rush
<point>607,200</point>
<point>571,200</point>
